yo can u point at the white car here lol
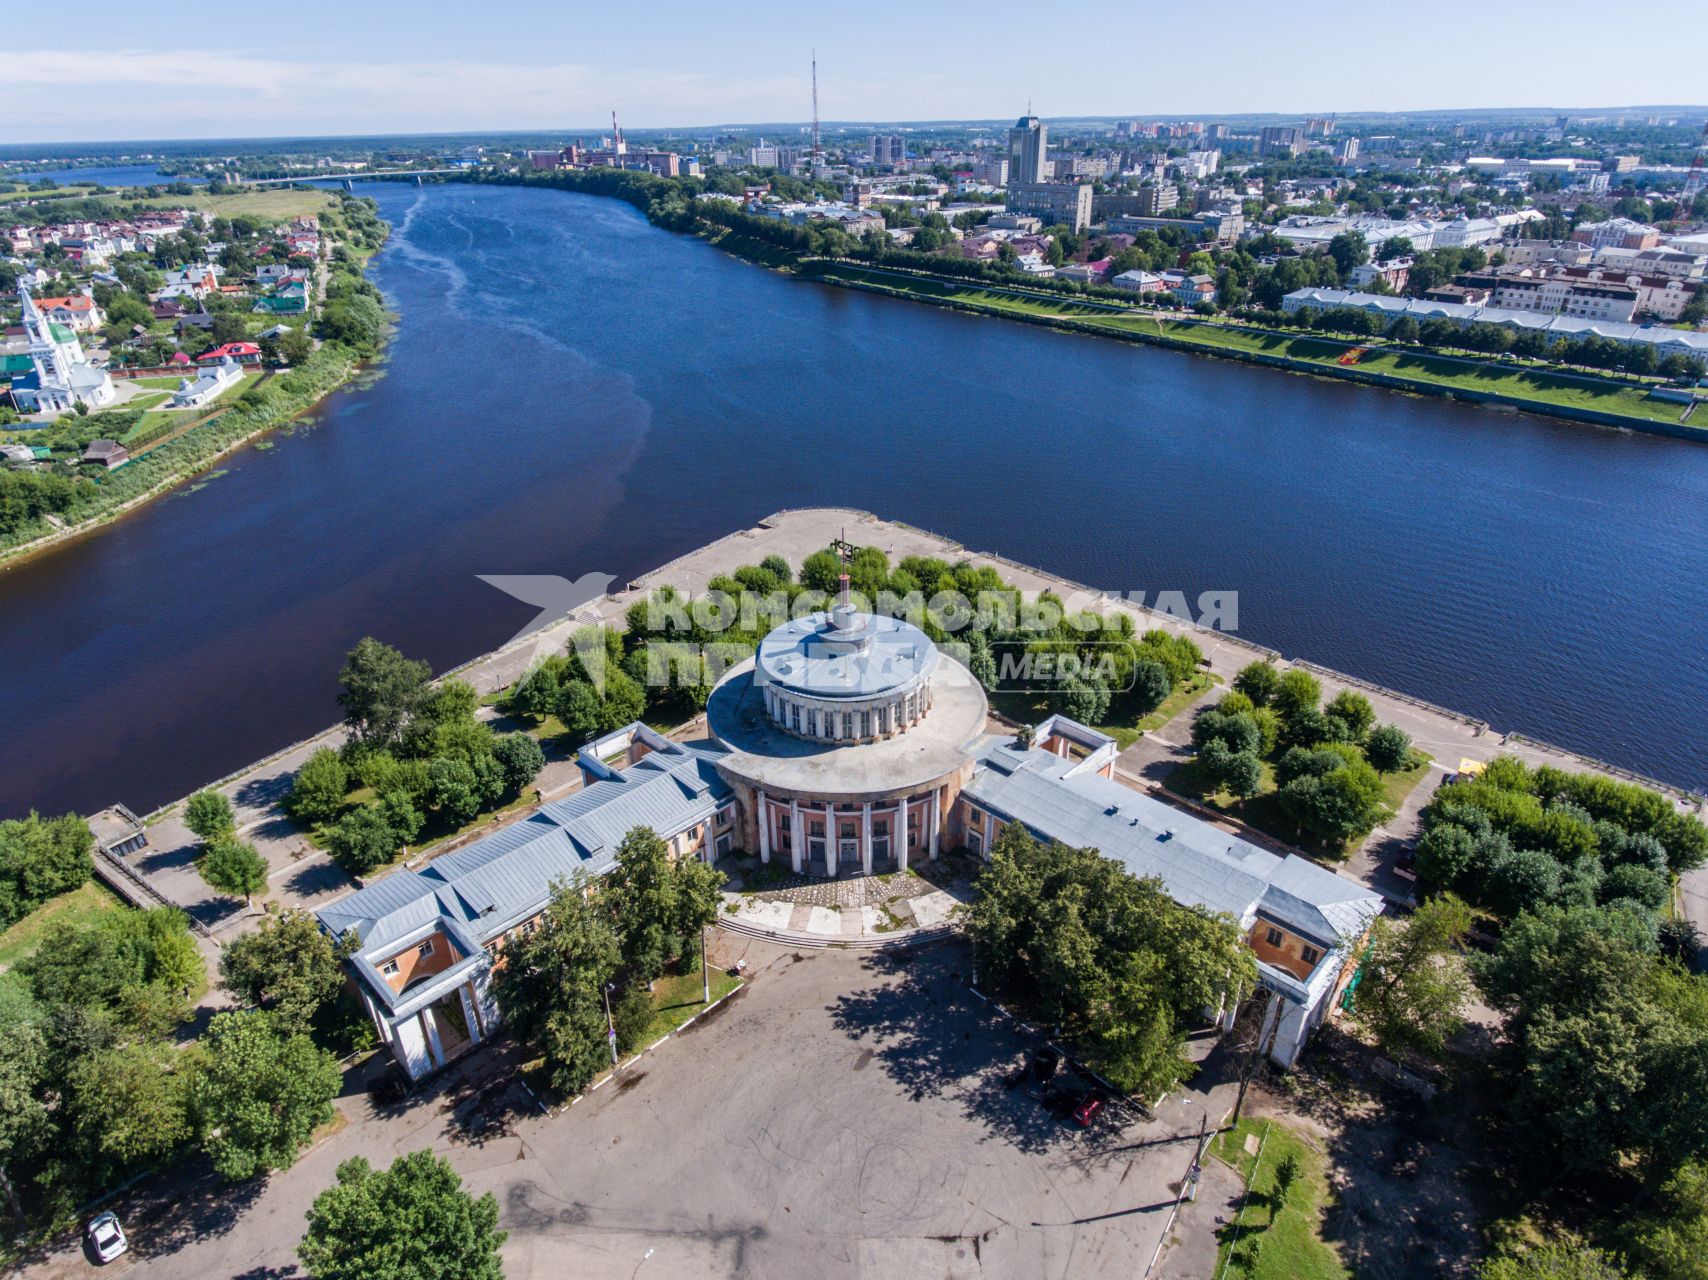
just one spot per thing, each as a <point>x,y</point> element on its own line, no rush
<point>106,1237</point>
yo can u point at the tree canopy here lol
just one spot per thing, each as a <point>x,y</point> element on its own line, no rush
<point>412,1221</point>
<point>1079,943</point>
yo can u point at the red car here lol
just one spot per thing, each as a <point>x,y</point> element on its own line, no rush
<point>1086,1111</point>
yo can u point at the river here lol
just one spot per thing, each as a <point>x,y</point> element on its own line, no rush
<point>571,390</point>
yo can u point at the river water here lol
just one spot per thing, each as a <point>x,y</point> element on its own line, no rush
<point>571,390</point>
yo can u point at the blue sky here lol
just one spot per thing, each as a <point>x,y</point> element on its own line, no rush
<point>373,66</point>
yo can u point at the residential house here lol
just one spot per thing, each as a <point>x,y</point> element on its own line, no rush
<point>241,352</point>
<point>107,453</point>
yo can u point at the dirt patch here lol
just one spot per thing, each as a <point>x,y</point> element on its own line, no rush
<point>630,1081</point>
<point>1401,1171</point>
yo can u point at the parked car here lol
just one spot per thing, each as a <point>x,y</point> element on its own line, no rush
<point>1087,1111</point>
<point>106,1237</point>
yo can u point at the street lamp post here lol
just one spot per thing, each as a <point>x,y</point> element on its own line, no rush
<point>705,971</point>
<point>610,1027</point>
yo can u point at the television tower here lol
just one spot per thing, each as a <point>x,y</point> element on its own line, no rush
<point>1693,182</point>
<point>817,150</point>
<point>617,147</point>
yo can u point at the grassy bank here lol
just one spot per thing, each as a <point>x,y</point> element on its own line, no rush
<point>259,409</point>
<point>1538,389</point>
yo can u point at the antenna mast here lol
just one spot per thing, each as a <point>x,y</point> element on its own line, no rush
<point>817,151</point>
<point>1693,182</point>
<point>617,135</point>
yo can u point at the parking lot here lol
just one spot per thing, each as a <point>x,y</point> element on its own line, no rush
<point>844,1115</point>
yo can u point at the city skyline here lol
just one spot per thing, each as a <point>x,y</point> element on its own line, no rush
<point>381,75</point>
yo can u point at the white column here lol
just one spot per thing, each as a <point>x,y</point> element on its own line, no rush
<point>764,827</point>
<point>989,828</point>
<point>932,816</point>
<point>866,837</point>
<point>797,837</point>
<point>901,823</point>
<point>435,1048</point>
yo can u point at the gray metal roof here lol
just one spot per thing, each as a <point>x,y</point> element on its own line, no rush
<point>1199,864</point>
<point>843,653</point>
<point>507,876</point>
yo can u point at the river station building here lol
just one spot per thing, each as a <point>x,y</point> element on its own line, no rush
<point>848,745</point>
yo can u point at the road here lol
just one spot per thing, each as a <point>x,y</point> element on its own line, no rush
<point>844,1116</point>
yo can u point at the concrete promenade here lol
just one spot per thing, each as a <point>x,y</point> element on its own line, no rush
<point>304,876</point>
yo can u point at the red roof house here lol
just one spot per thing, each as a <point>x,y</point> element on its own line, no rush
<point>242,352</point>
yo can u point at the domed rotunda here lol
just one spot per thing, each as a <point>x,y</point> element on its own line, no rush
<point>848,735</point>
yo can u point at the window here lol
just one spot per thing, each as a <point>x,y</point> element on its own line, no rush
<point>425,949</point>
<point>389,968</point>
<point>1309,954</point>
<point>1273,937</point>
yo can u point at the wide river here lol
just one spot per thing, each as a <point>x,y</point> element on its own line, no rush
<point>571,390</point>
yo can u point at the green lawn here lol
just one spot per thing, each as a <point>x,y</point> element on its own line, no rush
<point>1177,701</point>
<point>159,384</point>
<point>1539,385</point>
<point>676,998</point>
<point>1263,811</point>
<point>80,905</point>
<point>1276,1233</point>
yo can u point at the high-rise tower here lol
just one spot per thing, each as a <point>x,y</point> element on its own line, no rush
<point>1027,144</point>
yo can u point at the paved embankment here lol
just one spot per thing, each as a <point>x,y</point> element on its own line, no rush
<point>304,876</point>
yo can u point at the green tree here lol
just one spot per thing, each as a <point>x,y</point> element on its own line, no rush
<point>1151,685</point>
<point>660,903</point>
<point>1348,249</point>
<point>1388,748</point>
<point>295,346</point>
<point>1415,986</point>
<point>1296,692</point>
<point>821,571</point>
<point>1354,710</point>
<point>25,1120</point>
<point>129,1105</point>
<point>287,966</point>
<point>454,789</point>
<point>521,759</point>
<point>382,690</point>
<point>318,791</point>
<point>1337,806</point>
<point>413,1221</point>
<point>233,866</point>
<point>228,326</point>
<point>1554,1261</point>
<point>551,986</point>
<point>1238,772</point>
<point>1112,960</point>
<point>578,707</point>
<point>362,840</point>
<point>41,858</point>
<point>261,1094</point>
<point>208,815</point>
